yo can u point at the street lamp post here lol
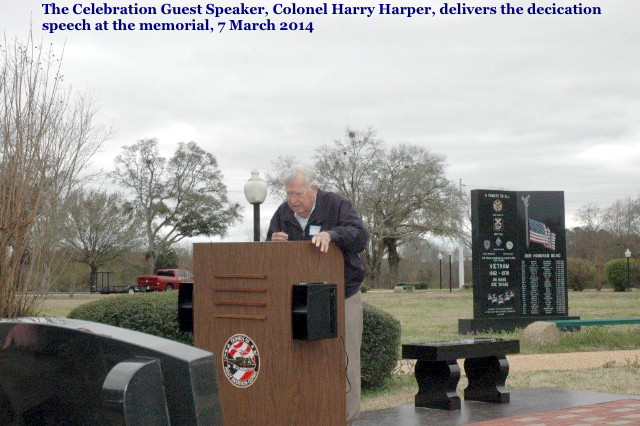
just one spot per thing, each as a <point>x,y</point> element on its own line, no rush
<point>627,254</point>
<point>450,274</point>
<point>440,260</point>
<point>256,192</point>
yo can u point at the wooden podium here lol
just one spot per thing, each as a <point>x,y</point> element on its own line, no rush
<point>245,290</point>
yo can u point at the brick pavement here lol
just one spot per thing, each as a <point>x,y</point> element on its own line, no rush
<point>621,412</point>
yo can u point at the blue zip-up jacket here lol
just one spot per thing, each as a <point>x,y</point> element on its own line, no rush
<point>335,214</point>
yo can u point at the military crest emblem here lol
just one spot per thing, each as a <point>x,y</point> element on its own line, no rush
<point>241,361</point>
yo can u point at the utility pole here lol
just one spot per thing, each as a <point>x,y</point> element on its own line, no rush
<point>440,260</point>
<point>460,266</point>
<point>450,274</point>
<point>460,247</point>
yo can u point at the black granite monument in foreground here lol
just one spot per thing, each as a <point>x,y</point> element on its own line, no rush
<point>56,371</point>
<point>519,260</point>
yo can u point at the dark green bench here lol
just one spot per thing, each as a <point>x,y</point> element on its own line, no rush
<point>594,321</point>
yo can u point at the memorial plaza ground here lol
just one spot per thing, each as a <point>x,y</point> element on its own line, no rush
<point>596,374</point>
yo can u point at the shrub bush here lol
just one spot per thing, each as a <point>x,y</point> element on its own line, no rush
<point>616,273</point>
<point>156,314</point>
<point>152,313</point>
<point>581,274</point>
<point>380,344</point>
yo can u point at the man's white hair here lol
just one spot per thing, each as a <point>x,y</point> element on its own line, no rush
<point>309,174</point>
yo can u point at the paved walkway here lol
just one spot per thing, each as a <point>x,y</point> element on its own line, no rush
<point>528,407</point>
<point>572,360</point>
<point>575,408</point>
<point>622,412</point>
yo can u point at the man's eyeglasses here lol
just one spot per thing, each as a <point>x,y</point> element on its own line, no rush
<point>296,194</point>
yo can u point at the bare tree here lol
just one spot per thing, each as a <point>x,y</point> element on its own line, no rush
<point>410,198</point>
<point>47,136</point>
<point>591,240</point>
<point>273,177</point>
<point>605,234</point>
<point>591,217</point>
<point>347,167</point>
<point>622,219</point>
<point>401,193</point>
<point>185,255</point>
<point>179,198</point>
<point>419,260</point>
<point>100,227</point>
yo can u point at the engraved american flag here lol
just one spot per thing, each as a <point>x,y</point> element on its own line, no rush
<point>541,234</point>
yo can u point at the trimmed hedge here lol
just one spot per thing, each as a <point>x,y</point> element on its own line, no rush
<point>380,345</point>
<point>581,274</point>
<point>616,273</point>
<point>156,314</point>
<point>152,313</point>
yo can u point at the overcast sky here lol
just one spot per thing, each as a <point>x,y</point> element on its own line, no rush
<point>513,102</point>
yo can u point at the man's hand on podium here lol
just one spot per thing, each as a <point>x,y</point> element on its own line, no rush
<point>279,236</point>
<point>322,240</point>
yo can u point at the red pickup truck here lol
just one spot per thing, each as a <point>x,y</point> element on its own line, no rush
<point>164,280</point>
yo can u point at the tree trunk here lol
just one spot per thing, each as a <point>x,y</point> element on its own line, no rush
<point>150,257</point>
<point>378,269</point>
<point>393,258</point>
<point>373,263</point>
<point>93,277</point>
<point>371,276</point>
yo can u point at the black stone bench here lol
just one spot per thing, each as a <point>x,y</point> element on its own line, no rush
<point>438,373</point>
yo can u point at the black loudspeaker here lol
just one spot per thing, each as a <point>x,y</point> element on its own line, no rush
<point>185,307</point>
<point>314,311</point>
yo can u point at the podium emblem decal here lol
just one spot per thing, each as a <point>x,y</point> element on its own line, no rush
<point>241,361</point>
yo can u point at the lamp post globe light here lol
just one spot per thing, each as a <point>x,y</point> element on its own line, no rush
<point>627,254</point>
<point>440,260</point>
<point>255,190</point>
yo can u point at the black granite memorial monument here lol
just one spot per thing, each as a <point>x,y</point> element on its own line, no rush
<point>519,259</point>
<point>56,371</point>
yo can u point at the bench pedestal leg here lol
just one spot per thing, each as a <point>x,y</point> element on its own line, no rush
<point>437,382</point>
<point>486,379</point>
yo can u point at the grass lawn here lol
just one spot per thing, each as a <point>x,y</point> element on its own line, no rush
<point>432,315</point>
<point>59,305</point>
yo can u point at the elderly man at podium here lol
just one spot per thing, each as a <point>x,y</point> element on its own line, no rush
<point>325,217</point>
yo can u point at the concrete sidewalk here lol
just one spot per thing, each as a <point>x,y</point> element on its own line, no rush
<point>572,360</point>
